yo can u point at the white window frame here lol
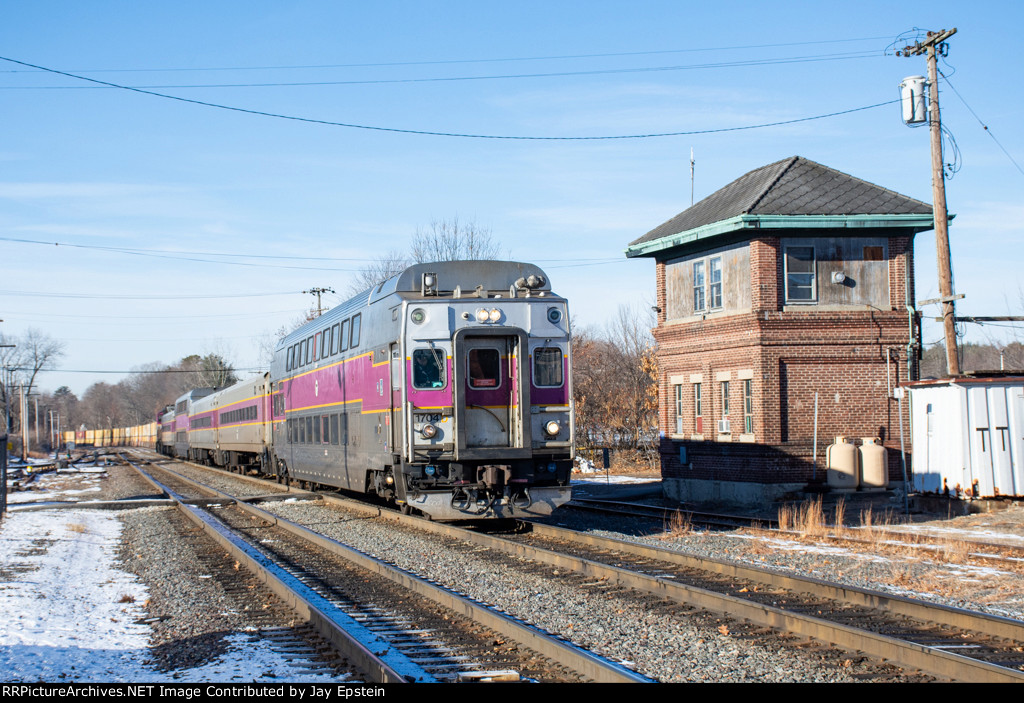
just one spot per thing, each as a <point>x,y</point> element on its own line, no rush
<point>813,274</point>
<point>699,290</point>
<point>679,408</point>
<point>715,298</point>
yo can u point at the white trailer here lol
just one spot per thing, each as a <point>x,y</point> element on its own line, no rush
<point>968,435</point>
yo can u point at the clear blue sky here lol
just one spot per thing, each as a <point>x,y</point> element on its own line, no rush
<point>102,167</point>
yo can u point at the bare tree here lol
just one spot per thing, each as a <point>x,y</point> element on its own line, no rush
<point>33,352</point>
<point>444,240</point>
<point>380,269</point>
<point>615,381</point>
<point>207,372</point>
<point>451,240</point>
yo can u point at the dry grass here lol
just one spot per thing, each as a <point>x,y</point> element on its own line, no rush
<point>127,598</point>
<point>77,527</point>
<point>679,524</point>
<point>839,518</point>
<point>807,518</point>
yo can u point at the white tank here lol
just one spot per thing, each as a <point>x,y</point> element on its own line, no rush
<point>874,465</point>
<point>914,100</point>
<point>841,460</point>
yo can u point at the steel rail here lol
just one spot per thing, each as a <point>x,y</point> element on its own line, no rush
<point>909,654</point>
<point>586,663</point>
<point>348,636</point>
<point>905,653</point>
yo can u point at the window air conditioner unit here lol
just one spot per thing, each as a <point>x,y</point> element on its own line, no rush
<point>723,427</point>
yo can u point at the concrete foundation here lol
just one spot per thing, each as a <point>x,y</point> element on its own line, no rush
<point>742,492</point>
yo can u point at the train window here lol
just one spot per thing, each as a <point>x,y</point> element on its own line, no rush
<point>427,369</point>
<point>309,349</point>
<point>334,429</point>
<point>344,336</point>
<point>317,346</point>
<point>343,428</point>
<point>547,367</point>
<point>325,429</point>
<point>334,339</point>
<point>484,368</point>
<point>315,421</point>
<point>325,344</point>
<point>300,354</point>
<point>355,331</point>
<point>309,431</point>
<point>291,358</point>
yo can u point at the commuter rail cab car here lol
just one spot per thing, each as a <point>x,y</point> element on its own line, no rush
<point>446,388</point>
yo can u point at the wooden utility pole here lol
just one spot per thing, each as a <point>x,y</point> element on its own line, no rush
<point>928,46</point>
<point>318,292</point>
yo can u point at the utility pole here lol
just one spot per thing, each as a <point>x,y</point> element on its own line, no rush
<point>928,46</point>
<point>318,292</point>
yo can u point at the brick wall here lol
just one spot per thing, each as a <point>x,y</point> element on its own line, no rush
<point>851,358</point>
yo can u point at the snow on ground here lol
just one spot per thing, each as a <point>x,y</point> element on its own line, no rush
<point>601,478</point>
<point>53,486</point>
<point>71,614</point>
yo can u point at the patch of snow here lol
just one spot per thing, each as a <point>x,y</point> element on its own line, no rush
<point>612,479</point>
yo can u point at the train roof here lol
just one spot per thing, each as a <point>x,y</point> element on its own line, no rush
<point>491,276</point>
<point>467,277</point>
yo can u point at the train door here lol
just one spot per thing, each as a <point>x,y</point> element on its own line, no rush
<point>397,435</point>
<point>490,382</point>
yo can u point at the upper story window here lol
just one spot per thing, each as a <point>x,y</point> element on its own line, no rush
<point>715,282</point>
<point>698,286</point>
<point>800,280</point>
<point>707,284</point>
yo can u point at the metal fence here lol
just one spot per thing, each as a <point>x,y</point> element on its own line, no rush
<point>3,479</point>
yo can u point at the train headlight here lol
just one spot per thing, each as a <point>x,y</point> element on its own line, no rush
<point>554,315</point>
<point>428,431</point>
<point>418,316</point>
<point>482,315</point>
<point>552,428</point>
<point>494,315</point>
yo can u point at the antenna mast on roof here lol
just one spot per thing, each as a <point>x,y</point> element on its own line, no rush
<point>691,176</point>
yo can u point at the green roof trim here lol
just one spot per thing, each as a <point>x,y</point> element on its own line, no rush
<point>912,221</point>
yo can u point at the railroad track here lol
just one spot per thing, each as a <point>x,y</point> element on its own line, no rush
<point>391,624</point>
<point>883,538</point>
<point>945,642</point>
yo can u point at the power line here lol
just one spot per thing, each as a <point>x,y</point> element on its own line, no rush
<point>40,294</point>
<point>449,79</point>
<point>243,369</point>
<point>188,255</point>
<point>464,61</point>
<point>396,130</point>
<point>983,125</point>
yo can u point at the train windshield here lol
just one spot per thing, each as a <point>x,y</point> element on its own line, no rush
<point>426,369</point>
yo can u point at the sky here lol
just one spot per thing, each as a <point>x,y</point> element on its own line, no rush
<point>231,213</point>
